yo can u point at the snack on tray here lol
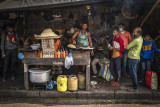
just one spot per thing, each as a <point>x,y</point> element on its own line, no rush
<point>47,33</point>
<point>71,46</point>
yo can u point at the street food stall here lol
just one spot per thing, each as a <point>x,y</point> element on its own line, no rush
<point>48,56</point>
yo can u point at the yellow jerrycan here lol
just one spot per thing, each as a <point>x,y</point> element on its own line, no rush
<point>62,83</point>
<point>81,81</point>
<point>72,83</point>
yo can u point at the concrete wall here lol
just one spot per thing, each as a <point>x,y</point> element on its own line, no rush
<point>36,23</point>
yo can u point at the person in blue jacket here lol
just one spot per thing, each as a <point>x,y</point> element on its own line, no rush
<point>147,54</point>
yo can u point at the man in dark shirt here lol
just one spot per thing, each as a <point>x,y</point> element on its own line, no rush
<point>9,42</point>
<point>100,53</point>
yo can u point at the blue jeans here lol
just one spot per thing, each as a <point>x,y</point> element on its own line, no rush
<point>133,67</point>
<point>11,55</point>
<point>115,68</point>
<point>146,66</point>
<point>124,61</point>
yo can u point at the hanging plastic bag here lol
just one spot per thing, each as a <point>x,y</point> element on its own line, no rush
<point>69,61</point>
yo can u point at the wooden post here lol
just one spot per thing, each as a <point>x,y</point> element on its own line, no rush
<point>88,77</point>
<point>26,81</point>
<point>154,6</point>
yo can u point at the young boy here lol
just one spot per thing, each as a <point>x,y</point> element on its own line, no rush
<point>9,42</point>
<point>116,56</point>
<point>147,53</point>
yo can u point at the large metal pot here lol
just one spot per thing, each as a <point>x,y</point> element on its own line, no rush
<point>38,75</point>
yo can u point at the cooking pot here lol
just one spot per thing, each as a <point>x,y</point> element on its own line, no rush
<point>39,75</point>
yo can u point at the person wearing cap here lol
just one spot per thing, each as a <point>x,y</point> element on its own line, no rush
<point>147,54</point>
<point>116,55</point>
<point>134,57</point>
<point>125,35</point>
<point>9,43</point>
<point>101,52</point>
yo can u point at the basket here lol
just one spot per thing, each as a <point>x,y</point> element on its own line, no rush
<point>48,43</point>
<point>48,48</point>
<point>48,53</point>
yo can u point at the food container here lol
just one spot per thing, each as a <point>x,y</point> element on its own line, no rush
<point>81,81</point>
<point>62,83</point>
<point>35,46</point>
<point>38,75</point>
<point>72,83</point>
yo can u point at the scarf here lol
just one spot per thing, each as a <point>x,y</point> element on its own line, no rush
<point>11,35</point>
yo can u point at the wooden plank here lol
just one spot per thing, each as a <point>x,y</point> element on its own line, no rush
<point>51,61</point>
<point>88,77</point>
<point>30,55</point>
<point>81,54</point>
<point>26,81</point>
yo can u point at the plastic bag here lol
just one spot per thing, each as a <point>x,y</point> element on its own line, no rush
<point>69,61</point>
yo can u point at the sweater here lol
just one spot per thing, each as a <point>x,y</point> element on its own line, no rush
<point>134,48</point>
<point>148,49</point>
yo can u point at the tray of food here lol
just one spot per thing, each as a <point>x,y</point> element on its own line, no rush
<point>71,46</point>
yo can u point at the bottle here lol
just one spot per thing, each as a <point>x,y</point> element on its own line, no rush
<point>66,53</point>
<point>59,54</point>
<point>55,54</point>
<point>41,54</point>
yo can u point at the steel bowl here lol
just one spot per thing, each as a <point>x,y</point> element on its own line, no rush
<point>35,46</point>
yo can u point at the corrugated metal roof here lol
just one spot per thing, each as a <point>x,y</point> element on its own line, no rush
<point>20,4</point>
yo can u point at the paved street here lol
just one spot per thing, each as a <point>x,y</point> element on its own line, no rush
<point>59,102</point>
<point>97,105</point>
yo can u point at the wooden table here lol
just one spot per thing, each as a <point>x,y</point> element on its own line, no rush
<point>79,59</point>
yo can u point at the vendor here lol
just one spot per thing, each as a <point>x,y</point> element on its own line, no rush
<point>83,37</point>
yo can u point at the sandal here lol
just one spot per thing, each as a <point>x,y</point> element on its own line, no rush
<point>115,84</point>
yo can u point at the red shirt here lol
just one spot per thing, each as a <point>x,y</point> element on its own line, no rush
<point>121,44</point>
<point>126,37</point>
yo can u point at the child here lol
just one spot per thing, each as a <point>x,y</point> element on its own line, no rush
<point>147,53</point>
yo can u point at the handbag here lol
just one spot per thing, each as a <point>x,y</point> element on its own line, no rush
<point>151,80</point>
